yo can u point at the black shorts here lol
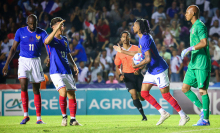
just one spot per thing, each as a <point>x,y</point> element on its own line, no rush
<point>133,81</point>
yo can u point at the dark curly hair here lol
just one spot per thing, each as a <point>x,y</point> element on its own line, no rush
<point>144,26</point>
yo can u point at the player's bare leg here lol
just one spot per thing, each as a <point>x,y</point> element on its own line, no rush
<point>148,97</point>
<point>24,99</point>
<point>72,107</point>
<point>137,103</point>
<point>169,98</point>
<point>63,104</point>
<point>37,102</point>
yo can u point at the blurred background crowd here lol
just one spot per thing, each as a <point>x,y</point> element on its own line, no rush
<point>94,26</point>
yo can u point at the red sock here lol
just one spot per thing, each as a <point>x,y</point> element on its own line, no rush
<point>150,99</point>
<point>172,101</point>
<point>37,103</point>
<point>24,99</point>
<point>72,107</point>
<point>63,103</point>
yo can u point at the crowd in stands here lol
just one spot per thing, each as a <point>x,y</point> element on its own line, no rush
<point>94,26</point>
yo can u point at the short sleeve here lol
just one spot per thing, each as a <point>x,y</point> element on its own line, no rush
<point>145,44</point>
<point>153,16</point>
<point>117,60</point>
<point>77,47</point>
<point>44,35</point>
<point>202,32</point>
<point>45,39</point>
<point>17,36</point>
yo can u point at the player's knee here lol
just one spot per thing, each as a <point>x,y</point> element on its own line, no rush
<point>145,93</point>
<point>23,87</point>
<point>134,96</point>
<point>63,92</point>
<point>71,94</point>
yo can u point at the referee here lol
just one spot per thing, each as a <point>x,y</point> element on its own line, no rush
<point>132,77</point>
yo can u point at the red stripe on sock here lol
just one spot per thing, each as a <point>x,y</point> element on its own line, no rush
<point>63,104</point>
<point>169,98</point>
<point>37,104</point>
<point>148,97</point>
<point>72,107</point>
<point>24,99</point>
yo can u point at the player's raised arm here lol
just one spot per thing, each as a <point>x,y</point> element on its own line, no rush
<point>120,50</point>
<point>51,36</point>
<point>10,56</point>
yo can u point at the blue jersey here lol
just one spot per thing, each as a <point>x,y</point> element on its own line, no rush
<point>157,64</point>
<point>81,56</point>
<point>58,50</point>
<point>30,42</point>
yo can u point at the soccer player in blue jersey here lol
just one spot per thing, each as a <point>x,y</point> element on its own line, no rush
<point>157,73</point>
<point>60,72</point>
<point>31,40</point>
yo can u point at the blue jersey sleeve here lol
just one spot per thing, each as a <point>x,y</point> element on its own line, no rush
<point>145,44</point>
<point>45,39</point>
<point>44,35</point>
<point>17,36</point>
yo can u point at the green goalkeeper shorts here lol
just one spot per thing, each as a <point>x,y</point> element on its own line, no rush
<point>197,78</point>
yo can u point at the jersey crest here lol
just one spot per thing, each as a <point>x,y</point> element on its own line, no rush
<point>37,37</point>
<point>65,43</point>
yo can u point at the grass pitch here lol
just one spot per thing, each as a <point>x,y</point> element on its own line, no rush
<point>108,123</point>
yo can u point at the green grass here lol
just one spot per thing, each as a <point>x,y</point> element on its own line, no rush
<point>107,123</point>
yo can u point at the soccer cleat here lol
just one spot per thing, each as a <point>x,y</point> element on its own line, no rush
<point>25,120</point>
<point>64,121</point>
<point>184,120</point>
<point>74,122</point>
<point>144,119</point>
<point>40,122</point>
<point>163,118</point>
<point>202,122</point>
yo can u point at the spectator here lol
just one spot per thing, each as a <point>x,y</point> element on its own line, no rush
<point>2,20</point>
<point>182,11</point>
<point>175,29</point>
<point>103,32</point>
<point>181,47</point>
<point>122,28</point>
<point>97,67</point>
<point>115,14</point>
<point>216,17</point>
<point>215,28</point>
<point>110,50</point>
<point>83,76</point>
<point>215,77</point>
<point>5,46</point>
<point>156,15</point>
<point>171,11</point>
<point>158,3</point>
<point>111,79</point>
<point>159,28</point>
<point>99,80</point>
<point>165,55</point>
<point>139,12</point>
<point>175,66</point>
<point>79,53</point>
<point>168,37</point>
<point>70,33</point>
<point>126,13</point>
<point>76,19</point>
<point>200,4</point>
<point>215,38</point>
<point>105,14</point>
<point>106,60</point>
<point>91,14</point>
<point>10,23</point>
<point>158,45</point>
<point>44,23</point>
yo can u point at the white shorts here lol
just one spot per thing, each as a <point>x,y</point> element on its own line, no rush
<point>31,69</point>
<point>161,80</point>
<point>63,80</point>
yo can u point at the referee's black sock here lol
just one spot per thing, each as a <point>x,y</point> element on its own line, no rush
<point>138,105</point>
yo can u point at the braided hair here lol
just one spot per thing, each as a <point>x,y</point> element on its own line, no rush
<point>144,26</point>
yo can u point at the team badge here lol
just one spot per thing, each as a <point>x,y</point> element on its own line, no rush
<point>57,85</point>
<point>37,37</point>
<point>18,74</point>
<point>140,47</point>
<point>65,43</point>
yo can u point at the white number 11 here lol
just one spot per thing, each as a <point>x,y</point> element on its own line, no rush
<point>31,47</point>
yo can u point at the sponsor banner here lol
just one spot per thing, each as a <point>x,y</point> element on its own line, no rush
<point>12,104</point>
<point>119,102</point>
<point>190,108</point>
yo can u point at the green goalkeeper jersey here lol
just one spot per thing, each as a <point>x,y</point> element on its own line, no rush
<point>200,59</point>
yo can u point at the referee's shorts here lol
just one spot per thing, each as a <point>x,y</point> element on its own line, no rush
<point>133,81</point>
